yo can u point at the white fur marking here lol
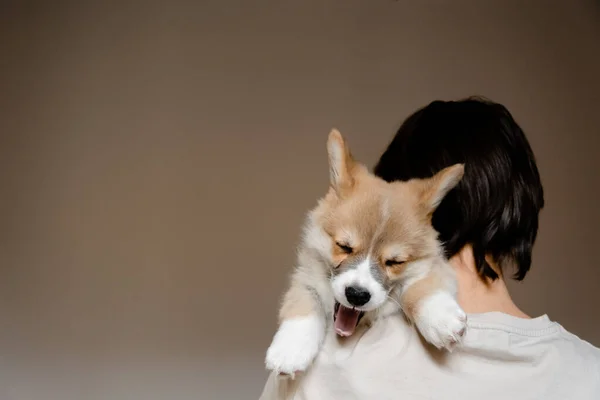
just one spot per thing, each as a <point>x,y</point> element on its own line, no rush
<point>441,321</point>
<point>362,275</point>
<point>359,276</point>
<point>296,344</point>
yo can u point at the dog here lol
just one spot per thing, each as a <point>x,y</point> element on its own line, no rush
<point>368,249</point>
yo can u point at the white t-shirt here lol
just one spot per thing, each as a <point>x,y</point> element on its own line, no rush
<point>503,357</point>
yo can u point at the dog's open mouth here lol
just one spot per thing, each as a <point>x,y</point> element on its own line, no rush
<point>345,319</point>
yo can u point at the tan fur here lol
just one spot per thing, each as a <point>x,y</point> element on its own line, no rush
<point>412,296</point>
<point>358,200</point>
<point>408,221</point>
<point>296,303</point>
<point>386,221</point>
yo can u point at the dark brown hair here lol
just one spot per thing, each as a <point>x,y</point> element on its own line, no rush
<point>496,206</point>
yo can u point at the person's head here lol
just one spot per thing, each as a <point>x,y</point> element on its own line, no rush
<point>495,208</point>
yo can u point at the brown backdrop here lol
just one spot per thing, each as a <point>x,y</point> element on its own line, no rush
<point>156,160</point>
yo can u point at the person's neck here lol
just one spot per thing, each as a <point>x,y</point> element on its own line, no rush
<point>478,295</point>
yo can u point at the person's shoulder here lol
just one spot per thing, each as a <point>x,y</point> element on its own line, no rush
<point>580,349</point>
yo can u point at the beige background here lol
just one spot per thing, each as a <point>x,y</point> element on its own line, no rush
<point>156,161</point>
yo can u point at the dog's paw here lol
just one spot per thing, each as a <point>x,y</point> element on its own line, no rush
<point>295,345</point>
<point>441,321</point>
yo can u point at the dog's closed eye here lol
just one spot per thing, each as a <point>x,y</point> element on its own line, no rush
<point>394,263</point>
<point>344,247</point>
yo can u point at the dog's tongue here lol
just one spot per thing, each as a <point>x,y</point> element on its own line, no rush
<point>346,320</point>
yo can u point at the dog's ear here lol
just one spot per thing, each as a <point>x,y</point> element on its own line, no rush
<point>434,189</point>
<point>341,163</point>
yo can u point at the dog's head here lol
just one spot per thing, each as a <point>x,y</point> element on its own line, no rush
<point>373,233</point>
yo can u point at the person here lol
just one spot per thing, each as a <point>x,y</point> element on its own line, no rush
<point>488,225</point>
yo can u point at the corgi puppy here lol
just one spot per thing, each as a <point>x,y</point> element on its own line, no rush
<point>368,249</point>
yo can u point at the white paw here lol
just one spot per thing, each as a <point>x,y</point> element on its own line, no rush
<point>295,345</point>
<point>441,321</point>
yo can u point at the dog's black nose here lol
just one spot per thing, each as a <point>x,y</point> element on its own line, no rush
<point>357,296</point>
